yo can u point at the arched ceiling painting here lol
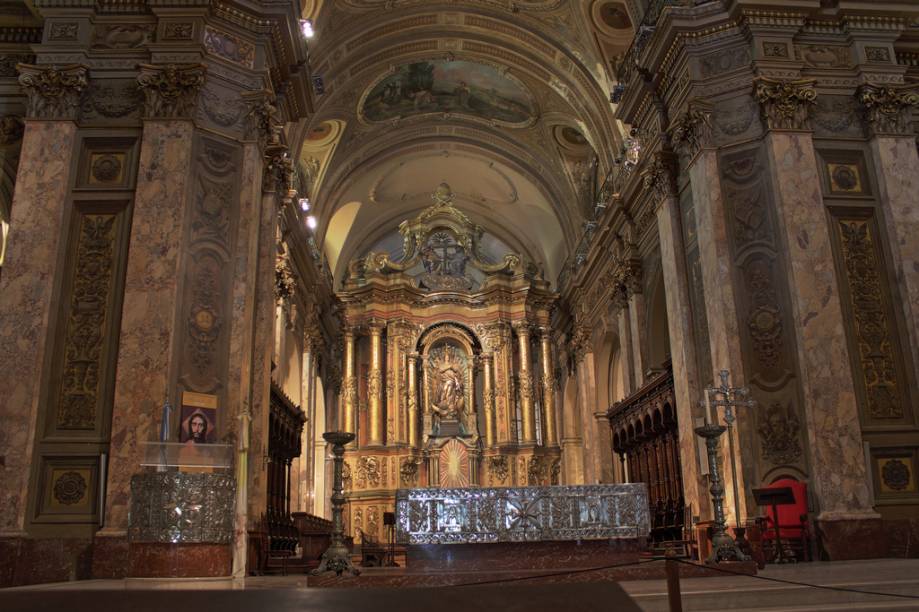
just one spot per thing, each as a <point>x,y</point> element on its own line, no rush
<point>443,86</point>
<point>510,107</point>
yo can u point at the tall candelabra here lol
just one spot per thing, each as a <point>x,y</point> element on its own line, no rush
<point>337,557</point>
<point>724,548</point>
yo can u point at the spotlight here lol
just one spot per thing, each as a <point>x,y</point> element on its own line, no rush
<point>311,222</point>
<point>304,204</point>
<point>306,26</point>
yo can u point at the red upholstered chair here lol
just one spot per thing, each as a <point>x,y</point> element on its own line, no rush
<point>793,526</point>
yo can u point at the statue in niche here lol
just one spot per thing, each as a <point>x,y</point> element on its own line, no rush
<point>444,260</point>
<point>448,390</point>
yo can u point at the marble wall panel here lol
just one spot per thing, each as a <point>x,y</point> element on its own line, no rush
<point>897,164</point>
<point>27,287</point>
<point>150,300</point>
<point>838,473</point>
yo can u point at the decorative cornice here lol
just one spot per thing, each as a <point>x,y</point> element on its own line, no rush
<point>171,90</point>
<point>53,93</point>
<point>887,110</point>
<point>691,131</point>
<point>785,104</point>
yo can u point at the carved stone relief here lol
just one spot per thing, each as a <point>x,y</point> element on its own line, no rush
<point>112,99</point>
<point>836,116</point>
<point>734,119</point>
<point>122,35</point>
<point>86,322</point>
<point>170,90</point>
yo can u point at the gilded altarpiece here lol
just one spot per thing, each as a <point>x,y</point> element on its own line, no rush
<point>443,333</point>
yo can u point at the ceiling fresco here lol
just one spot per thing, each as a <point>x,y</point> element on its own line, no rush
<point>449,86</point>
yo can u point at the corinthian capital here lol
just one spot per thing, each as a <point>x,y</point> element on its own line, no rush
<point>170,90</point>
<point>53,93</point>
<point>658,177</point>
<point>887,110</point>
<point>692,130</point>
<point>786,104</point>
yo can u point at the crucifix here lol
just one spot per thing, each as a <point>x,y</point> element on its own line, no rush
<point>730,398</point>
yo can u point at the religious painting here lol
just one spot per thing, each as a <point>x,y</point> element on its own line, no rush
<point>443,86</point>
<point>444,260</point>
<point>447,371</point>
<point>198,418</point>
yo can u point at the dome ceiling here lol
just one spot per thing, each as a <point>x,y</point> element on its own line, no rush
<point>508,102</point>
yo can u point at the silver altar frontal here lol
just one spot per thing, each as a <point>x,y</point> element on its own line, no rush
<point>522,514</point>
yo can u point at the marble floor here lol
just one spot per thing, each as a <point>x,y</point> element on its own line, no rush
<point>282,593</point>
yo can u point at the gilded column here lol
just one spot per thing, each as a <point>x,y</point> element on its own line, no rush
<point>488,397</point>
<point>548,387</point>
<point>375,387</point>
<point>349,393</point>
<point>413,400</point>
<point>526,384</point>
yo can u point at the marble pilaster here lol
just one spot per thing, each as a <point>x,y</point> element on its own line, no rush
<point>637,326</point>
<point>682,350</point>
<point>625,350</point>
<point>839,478</point>
<point>27,302</point>
<point>897,166</point>
<point>148,325</point>
<point>720,305</point>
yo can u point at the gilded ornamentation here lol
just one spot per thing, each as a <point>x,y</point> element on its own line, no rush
<point>554,472</point>
<point>285,283</point>
<point>375,383</point>
<point>658,177</point>
<point>692,130</point>
<point>170,90</point>
<point>69,488</point>
<point>525,386</point>
<point>872,327</point>
<point>888,110</point>
<point>786,104</point>
<point>346,478</point>
<point>373,522</point>
<point>408,473</point>
<point>229,47</point>
<point>779,431</point>
<point>92,285</point>
<point>538,471</point>
<point>53,93</point>
<point>498,468</point>
<point>368,472</point>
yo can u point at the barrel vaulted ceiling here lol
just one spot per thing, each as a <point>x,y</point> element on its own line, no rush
<point>506,101</point>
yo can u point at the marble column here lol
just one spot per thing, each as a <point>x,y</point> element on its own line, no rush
<point>548,387</point>
<point>638,328</point>
<point>413,400</point>
<point>527,409</point>
<point>375,388</point>
<point>26,304</point>
<point>349,390</point>
<point>679,321</point>
<point>488,398</point>
<point>718,288</point>
<point>839,477</point>
<point>626,354</point>
<point>392,386</point>
<point>306,383</point>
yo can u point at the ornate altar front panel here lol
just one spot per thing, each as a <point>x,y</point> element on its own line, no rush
<point>524,514</point>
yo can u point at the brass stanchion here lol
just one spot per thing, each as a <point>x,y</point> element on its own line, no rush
<point>337,557</point>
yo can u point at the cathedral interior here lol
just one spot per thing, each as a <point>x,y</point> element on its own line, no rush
<point>509,245</point>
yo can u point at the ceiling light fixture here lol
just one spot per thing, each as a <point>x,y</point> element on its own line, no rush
<point>304,204</point>
<point>311,222</point>
<point>306,26</point>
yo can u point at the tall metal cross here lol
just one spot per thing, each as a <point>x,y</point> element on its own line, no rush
<point>731,398</point>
